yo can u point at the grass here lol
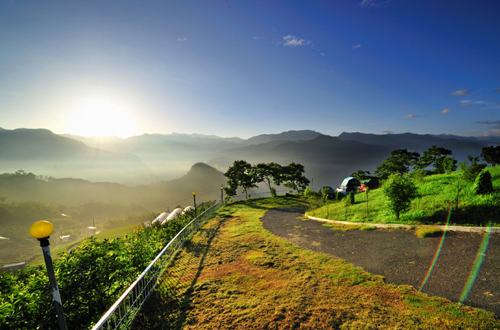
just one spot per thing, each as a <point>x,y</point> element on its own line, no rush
<point>428,232</point>
<point>236,275</point>
<point>437,192</point>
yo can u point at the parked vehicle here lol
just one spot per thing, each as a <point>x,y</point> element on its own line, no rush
<point>331,192</point>
<point>370,183</point>
<point>349,184</point>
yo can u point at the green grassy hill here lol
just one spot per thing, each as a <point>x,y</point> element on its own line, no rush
<point>436,194</point>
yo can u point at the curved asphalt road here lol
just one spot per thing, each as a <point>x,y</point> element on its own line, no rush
<point>403,258</point>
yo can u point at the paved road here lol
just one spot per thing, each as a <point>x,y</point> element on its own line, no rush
<point>403,258</point>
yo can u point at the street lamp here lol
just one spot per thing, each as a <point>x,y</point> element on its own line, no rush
<point>221,193</point>
<point>41,230</point>
<point>194,198</point>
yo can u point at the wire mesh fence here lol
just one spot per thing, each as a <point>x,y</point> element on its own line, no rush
<point>123,311</point>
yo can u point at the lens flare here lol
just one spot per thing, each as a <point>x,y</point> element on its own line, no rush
<point>476,266</point>
<point>438,251</point>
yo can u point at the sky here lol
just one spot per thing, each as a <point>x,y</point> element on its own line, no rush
<point>244,68</point>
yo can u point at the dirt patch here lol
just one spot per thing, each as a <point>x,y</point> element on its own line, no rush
<point>403,258</point>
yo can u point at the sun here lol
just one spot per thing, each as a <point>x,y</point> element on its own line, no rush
<point>100,117</point>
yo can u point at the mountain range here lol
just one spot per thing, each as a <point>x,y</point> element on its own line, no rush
<point>153,158</point>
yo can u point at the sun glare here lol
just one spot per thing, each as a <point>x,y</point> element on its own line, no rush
<point>100,118</point>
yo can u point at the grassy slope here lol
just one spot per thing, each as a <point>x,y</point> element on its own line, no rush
<point>234,274</point>
<point>436,193</point>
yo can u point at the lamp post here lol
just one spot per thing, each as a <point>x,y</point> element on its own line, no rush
<point>41,230</point>
<point>221,193</point>
<point>194,198</point>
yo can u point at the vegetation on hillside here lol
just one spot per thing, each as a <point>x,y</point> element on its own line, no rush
<point>236,275</point>
<point>90,278</point>
<point>436,194</point>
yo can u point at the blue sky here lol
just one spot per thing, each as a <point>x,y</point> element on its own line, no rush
<point>243,68</point>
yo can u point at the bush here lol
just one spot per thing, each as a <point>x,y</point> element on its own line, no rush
<point>400,190</point>
<point>90,278</point>
<point>483,185</point>
<point>351,198</point>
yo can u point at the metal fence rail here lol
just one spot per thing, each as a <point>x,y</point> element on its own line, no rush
<point>123,311</point>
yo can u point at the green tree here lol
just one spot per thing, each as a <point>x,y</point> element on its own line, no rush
<point>435,156</point>
<point>268,173</point>
<point>449,164</point>
<point>361,175</point>
<point>400,190</point>
<point>483,184</point>
<point>293,176</point>
<point>352,199</point>
<point>491,155</point>
<point>401,161</point>
<point>240,174</point>
<point>469,172</point>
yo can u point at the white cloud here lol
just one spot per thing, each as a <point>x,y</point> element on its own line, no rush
<point>372,3</point>
<point>411,116</point>
<point>387,132</point>
<point>367,3</point>
<point>464,103</point>
<point>182,39</point>
<point>322,54</point>
<point>495,127</point>
<point>446,111</point>
<point>293,41</point>
<point>461,92</point>
<point>356,46</point>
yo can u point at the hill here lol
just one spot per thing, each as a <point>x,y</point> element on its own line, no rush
<point>41,151</point>
<point>327,160</point>
<point>159,196</point>
<point>461,147</point>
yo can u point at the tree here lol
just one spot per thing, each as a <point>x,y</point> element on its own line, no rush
<point>400,190</point>
<point>352,199</point>
<point>267,173</point>
<point>483,184</point>
<point>401,161</point>
<point>361,175</point>
<point>449,164</point>
<point>434,156</point>
<point>491,155</point>
<point>240,175</point>
<point>293,176</point>
<point>470,172</point>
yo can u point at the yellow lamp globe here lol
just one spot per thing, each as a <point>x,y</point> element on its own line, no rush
<point>41,229</point>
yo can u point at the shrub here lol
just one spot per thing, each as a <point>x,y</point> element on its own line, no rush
<point>483,185</point>
<point>400,190</point>
<point>351,198</point>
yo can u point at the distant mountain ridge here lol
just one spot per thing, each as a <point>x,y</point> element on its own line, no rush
<point>461,147</point>
<point>159,157</point>
<point>201,178</point>
<point>41,151</point>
